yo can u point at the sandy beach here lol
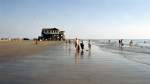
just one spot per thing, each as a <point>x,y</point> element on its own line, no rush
<point>61,64</point>
<point>11,49</point>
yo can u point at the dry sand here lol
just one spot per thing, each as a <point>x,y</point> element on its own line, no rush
<point>23,48</point>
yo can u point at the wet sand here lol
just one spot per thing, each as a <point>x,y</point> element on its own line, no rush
<point>63,65</point>
<point>12,49</point>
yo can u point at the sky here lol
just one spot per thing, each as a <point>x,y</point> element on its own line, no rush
<point>87,19</point>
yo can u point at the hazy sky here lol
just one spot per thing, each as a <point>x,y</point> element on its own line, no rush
<point>79,18</point>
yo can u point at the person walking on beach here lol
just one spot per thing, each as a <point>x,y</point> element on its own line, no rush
<point>35,41</point>
<point>69,41</point>
<point>131,43</point>
<point>77,44</point>
<point>82,45</point>
<point>89,45</point>
<point>109,41</point>
<point>119,43</point>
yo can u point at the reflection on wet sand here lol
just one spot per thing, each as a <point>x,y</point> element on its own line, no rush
<point>82,54</point>
<point>69,50</point>
<point>89,53</point>
<point>77,57</point>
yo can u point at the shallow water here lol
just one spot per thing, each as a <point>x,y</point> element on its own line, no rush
<point>139,52</point>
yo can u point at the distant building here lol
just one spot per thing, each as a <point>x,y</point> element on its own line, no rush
<point>51,34</point>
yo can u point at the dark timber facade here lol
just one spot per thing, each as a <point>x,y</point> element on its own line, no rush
<point>52,34</point>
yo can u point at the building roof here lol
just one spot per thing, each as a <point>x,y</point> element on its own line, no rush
<point>50,29</point>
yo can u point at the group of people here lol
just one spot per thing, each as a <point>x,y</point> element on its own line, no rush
<point>121,44</point>
<point>80,45</point>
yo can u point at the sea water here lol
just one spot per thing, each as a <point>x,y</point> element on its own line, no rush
<point>138,52</point>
